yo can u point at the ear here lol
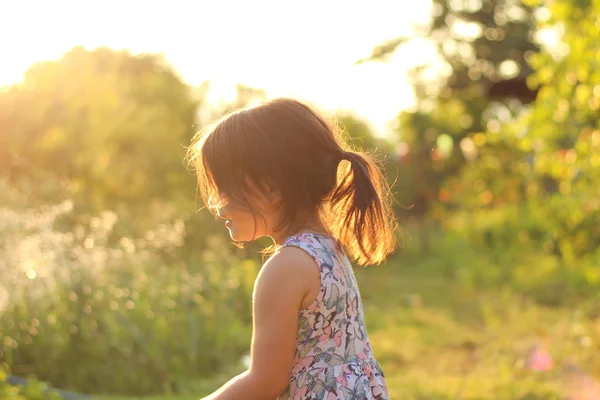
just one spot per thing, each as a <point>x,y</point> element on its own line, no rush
<point>275,198</point>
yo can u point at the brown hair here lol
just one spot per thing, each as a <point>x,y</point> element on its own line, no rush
<point>285,144</point>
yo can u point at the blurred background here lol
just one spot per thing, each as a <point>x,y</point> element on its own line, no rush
<point>114,285</point>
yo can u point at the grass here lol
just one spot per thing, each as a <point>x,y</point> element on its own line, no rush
<point>437,339</point>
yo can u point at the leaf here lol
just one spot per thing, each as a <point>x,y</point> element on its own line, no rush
<point>382,51</point>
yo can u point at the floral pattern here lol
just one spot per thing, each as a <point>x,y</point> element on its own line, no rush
<point>333,359</point>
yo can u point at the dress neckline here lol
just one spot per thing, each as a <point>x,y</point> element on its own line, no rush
<point>326,236</point>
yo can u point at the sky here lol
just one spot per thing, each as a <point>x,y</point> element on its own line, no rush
<point>305,49</point>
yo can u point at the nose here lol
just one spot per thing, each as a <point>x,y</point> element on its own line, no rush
<point>222,214</point>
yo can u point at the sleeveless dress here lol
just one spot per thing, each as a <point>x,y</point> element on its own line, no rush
<point>333,358</point>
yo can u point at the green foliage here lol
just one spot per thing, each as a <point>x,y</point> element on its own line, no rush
<point>104,129</point>
<point>35,390</point>
<point>136,317</point>
<point>479,83</point>
<point>108,122</point>
<point>564,130</point>
<point>107,271</point>
<point>535,179</point>
<point>509,159</point>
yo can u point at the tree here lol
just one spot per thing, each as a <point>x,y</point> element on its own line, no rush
<point>563,129</point>
<point>546,162</point>
<point>113,126</point>
<point>480,81</point>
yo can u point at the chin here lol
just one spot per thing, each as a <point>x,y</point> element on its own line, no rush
<point>238,236</point>
<point>242,236</point>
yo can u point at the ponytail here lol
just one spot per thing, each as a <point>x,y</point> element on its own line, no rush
<point>361,212</point>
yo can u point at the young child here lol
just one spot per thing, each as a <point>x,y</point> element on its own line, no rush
<point>281,170</point>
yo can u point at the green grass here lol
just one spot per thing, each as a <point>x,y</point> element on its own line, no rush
<point>437,339</point>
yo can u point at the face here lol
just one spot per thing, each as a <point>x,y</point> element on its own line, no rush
<point>241,223</point>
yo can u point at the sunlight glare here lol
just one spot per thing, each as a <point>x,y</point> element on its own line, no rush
<point>30,273</point>
<point>305,49</point>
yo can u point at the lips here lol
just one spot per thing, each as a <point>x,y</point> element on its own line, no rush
<point>224,216</point>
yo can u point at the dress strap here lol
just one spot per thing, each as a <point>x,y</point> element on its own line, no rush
<point>306,241</point>
<point>321,247</point>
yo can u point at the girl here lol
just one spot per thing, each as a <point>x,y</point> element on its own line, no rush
<point>280,170</point>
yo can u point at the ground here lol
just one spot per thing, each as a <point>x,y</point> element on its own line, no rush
<point>438,339</point>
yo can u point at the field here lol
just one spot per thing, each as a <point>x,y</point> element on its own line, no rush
<point>439,339</point>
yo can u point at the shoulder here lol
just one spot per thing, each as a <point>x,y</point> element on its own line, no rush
<point>291,269</point>
<point>290,261</point>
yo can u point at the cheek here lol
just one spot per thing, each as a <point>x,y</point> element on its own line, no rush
<point>242,227</point>
<point>249,225</point>
<point>245,220</point>
<point>242,220</point>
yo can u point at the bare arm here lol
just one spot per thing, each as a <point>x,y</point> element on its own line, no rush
<point>280,288</point>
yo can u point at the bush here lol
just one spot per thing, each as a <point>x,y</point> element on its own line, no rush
<point>129,318</point>
<point>513,246</point>
<point>35,390</point>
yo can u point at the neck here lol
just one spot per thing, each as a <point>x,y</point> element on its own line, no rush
<point>312,225</point>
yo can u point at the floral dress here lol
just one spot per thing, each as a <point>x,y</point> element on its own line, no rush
<point>333,358</point>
